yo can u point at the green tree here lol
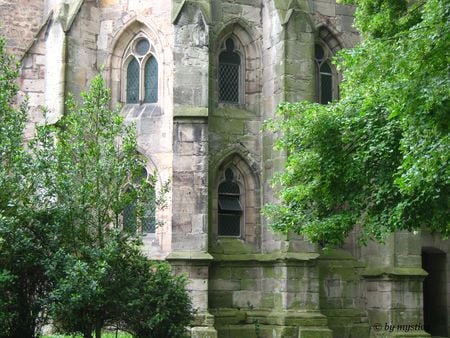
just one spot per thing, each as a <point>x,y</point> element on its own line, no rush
<point>379,157</point>
<point>25,229</point>
<point>62,249</point>
<point>96,173</point>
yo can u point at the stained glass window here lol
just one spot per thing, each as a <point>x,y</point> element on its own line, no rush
<point>151,80</point>
<point>133,81</point>
<point>230,208</point>
<point>229,73</point>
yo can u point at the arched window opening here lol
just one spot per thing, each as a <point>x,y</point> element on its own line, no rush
<point>133,81</point>
<point>229,73</point>
<point>230,207</point>
<point>324,75</point>
<point>147,222</point>
<point>151,81</point>
<point>141,73</point>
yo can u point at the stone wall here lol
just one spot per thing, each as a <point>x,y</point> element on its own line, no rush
<point>20,21</point>
<point>343,294</point>
<point>259,283</point>
<point>32,84</point>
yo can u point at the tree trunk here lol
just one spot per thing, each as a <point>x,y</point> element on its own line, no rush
<point>98,330</point>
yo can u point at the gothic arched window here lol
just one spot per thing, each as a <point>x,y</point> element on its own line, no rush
<point>324,75</point>
<point>230,207</point>
<point>141,72</point>
<point>229,73</point>
<point>147,222</point>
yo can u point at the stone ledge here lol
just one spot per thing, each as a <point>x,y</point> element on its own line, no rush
<point>266,257</point>
<point>231,316</point>
<point>189,256</point>
<point>394,272</point>
<point>189,111</point>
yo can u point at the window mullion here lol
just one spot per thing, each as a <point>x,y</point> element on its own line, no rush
<point>141,81</point>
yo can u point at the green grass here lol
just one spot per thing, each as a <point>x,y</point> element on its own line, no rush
<point>104,335</point>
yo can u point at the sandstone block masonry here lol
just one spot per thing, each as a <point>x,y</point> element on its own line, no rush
<point>195,134</point>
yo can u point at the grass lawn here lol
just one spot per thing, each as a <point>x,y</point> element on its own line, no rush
<point>104,335</point>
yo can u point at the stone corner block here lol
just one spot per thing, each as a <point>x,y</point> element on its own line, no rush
<point>203,332</point>
<point>314,332</point>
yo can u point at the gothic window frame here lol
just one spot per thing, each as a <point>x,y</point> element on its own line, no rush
<point>247,176</point>
<point>321,61</point>
<point>230,202</point>
<point>149,214</point>
<point>143,59</point>
<point>237,49</point>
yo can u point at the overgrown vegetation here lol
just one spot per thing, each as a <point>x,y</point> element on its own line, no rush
<point>379,157</point>
<point>63,254</point>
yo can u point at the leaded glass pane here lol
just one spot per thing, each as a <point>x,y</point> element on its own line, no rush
<point>228,187</point>
<point>149,222</point>
<point>142,47</point>
<point>133,81</point>
<point>151,81</point>
<point>229,82</point>
<point>229,225</point>
<point>229,69</point>
<point>129,218</point>
<point>325,68</point>
<point>229,203</point>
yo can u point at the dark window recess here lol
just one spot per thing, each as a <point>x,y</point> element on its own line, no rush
<point>133,81</point>
<point>230,208</point>
<point>324,85</point>
<point>229,74</point>
<point>151,81</point>
<point>318,52</point>
<point>229,225</point>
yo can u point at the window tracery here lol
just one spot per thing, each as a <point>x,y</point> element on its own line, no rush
<point>324,74</point>
<point>141,72</point>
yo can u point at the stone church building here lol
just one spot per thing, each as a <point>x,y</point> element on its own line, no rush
<point>198,78</point>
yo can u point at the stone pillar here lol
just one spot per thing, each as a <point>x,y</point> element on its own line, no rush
<point>55,59</point>
<point>394,277</point>
<point>294,71</point>
<point>190,159</point>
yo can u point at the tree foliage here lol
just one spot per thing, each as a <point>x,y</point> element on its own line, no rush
<point>379,157</point>
<point>24,230</point>
<point>63,254</point>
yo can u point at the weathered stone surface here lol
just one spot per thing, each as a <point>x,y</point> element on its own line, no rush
<point>281,282</point>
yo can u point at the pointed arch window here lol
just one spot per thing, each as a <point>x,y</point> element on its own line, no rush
<point>229,73</point>
<point>229,206</point>
<point>325,78</point>
<point>141,72</point>
<point>147,222</point>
